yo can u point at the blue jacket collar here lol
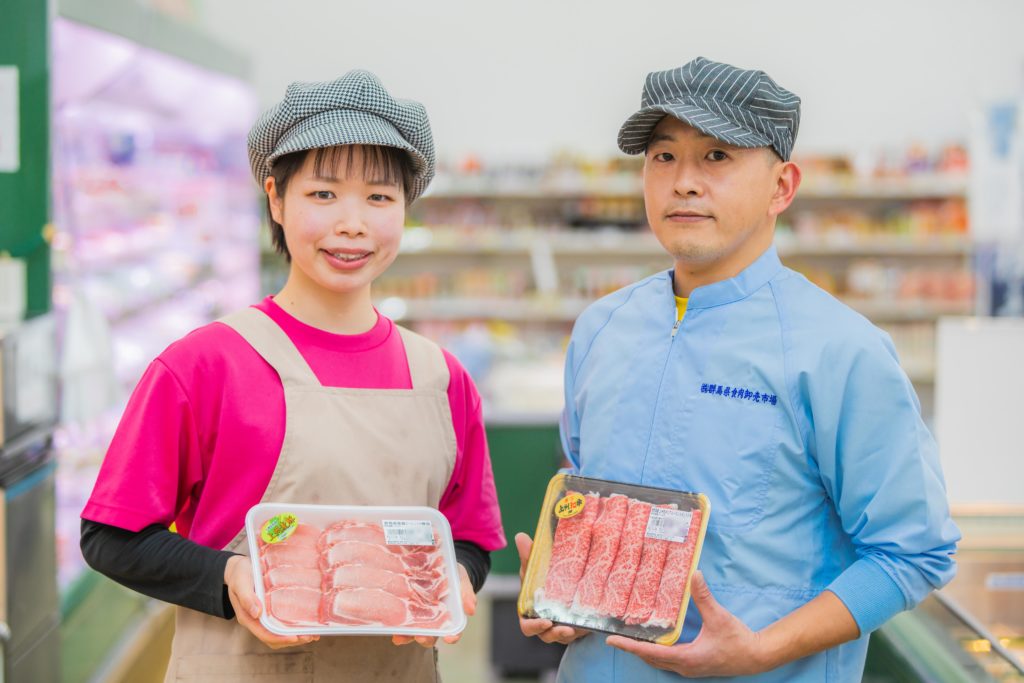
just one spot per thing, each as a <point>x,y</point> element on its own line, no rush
<point>751,279</point>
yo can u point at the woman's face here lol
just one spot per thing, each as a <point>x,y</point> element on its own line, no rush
<point>342,225</point>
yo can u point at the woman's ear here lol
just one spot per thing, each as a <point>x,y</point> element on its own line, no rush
<point>275,202</point>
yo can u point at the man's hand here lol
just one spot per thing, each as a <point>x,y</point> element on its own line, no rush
<point>544,629</point>
<point>468,605</point>
<point>725,645</point>
<point>242,594</point>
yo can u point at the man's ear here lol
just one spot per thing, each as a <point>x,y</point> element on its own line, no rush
<point>787,176</point>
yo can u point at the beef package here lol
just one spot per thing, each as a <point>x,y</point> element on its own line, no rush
<point>614,557</point>
<point>354,570</point>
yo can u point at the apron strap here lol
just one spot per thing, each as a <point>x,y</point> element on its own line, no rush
<point>271,342</point>
<point>427,366</point>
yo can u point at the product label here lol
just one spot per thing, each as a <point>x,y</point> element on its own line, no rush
<point>570,506</point>
<point>669,525</point>
<point>408,532</point>
<point>278,528</point>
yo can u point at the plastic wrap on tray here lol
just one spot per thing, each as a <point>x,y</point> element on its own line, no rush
<point>614,557</point>
<point>354,570</point>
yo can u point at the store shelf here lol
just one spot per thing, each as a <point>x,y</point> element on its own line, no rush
<point>923,186</point>
<point>464,308</point>
<point>880,245</point>
<point>130,313</point>
<point>908,311</point>
<point>442,241</point>
<point>621,187</point>
<point>568,309</point>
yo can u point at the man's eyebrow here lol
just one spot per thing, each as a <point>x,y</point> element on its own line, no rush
<point>665,137</point>
<point>660,137</point>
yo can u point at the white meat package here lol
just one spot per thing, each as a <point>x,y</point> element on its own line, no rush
<point>354,570</point>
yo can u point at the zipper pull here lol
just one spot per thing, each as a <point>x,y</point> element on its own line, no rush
<point>675,328</point>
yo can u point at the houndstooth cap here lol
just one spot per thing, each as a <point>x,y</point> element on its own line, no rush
<point>352,110</point>
<point>741,108</point>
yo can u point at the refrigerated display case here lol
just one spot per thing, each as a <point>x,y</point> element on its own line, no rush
<point>29,614</point>
<point>939,642</point>
<point>156,226</point>
<point>155,233</point>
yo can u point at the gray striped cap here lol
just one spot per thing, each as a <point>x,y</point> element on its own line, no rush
<point>741,108</point>
<point>352,110</point>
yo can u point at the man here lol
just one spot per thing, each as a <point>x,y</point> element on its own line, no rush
<point>733,376</point>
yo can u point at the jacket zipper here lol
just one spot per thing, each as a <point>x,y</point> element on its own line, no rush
<point>657,400</point>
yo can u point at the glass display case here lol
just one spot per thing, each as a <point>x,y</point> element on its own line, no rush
<point>156,229</point>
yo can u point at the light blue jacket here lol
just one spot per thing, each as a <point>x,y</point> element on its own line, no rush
<point>791,412</point>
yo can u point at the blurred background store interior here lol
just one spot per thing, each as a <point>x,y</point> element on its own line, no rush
<point>128,217</point>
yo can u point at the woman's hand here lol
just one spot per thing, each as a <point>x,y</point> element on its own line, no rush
<point>468,605</point>
<point>242,594</point>
<point>544,629</point>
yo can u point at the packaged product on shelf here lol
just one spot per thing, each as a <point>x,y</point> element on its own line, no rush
<point>354,570</point>
<point>614,557</point>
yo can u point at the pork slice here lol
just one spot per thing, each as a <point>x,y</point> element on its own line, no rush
<point>295,606</point>
<point>362,553</point>
<point>399,585</point>
<point>423,561</point>
<point>280,577</point>
<point>286,554</point>
<point>370,605</point>
<point>428,616</point>
<point>351,531</point>
<point>377,606</point>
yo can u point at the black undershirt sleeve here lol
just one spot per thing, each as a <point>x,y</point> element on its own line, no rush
<point>476,560</point>
<point>163,565</point>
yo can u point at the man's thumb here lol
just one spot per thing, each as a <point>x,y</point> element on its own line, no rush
<point>702,597</point>
<point>524,544</point>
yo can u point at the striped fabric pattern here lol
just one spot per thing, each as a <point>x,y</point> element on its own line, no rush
<point>355,109</point>
<point>745,108</point>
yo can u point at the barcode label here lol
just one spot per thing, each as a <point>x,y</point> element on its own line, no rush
<point>408,532</point>
<point>669,525</point>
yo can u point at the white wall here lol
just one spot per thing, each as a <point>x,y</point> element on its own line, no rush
<point>520,80</point>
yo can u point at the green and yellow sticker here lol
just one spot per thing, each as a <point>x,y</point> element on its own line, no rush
<point>278,528</point>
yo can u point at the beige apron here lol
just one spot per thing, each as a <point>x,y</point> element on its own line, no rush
<point>341,447</point>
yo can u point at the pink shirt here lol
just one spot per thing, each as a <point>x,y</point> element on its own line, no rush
<point>200,437</point>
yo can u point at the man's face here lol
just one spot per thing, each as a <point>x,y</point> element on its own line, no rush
<point>711,205</point>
